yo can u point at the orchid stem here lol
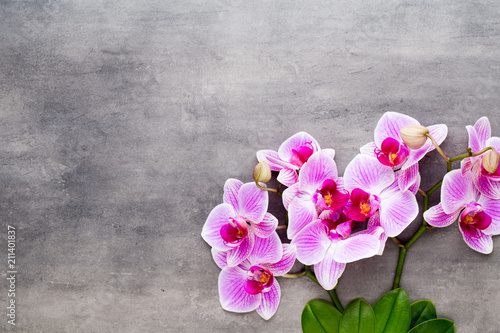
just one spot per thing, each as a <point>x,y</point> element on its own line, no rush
<point>332,293</point>
<point>335,299</point>
<point>294,275</point>
<point>280,227</point>
<point>440,151</point>
<point>267,188</point>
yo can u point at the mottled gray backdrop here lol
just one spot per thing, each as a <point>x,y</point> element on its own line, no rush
<point>121,120</point>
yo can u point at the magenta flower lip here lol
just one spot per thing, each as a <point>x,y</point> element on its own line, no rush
<point>392,153</point>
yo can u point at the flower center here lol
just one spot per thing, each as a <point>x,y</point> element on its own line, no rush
<point>259,279</point>
<point>328,197</point>
<point>473,218</point>
<point>365,208</point>
<point>363,205</point>
<point>392,152</point>
<point>302,154</point>
<point>234,231</point>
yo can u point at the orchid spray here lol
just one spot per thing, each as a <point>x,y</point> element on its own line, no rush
<point>335,220</point>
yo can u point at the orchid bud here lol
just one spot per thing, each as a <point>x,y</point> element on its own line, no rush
<point>262,172</point>
<point>491,160</point>
<point>414,136</point>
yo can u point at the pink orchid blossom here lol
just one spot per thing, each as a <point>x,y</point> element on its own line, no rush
<point>478,216</point>
<point>234,225</point>
<point>252,285</point>
<point>318,193</point>
<point>330,245</point>
<point>374,188</point>
<point>390,150</point>
<point>291,156</point>
<point>479,138</point>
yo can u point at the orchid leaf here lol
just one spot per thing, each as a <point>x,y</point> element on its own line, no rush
<point>435,326</point>
<point>320,316</point>
<point>422,311</point>
<point>358,318</point>
<point>392,312</point>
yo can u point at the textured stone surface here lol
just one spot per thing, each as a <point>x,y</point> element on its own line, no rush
<point>121,120</point>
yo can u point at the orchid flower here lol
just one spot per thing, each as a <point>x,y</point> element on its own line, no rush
<point>252,285</point>
<point>478,215</point>
<point>318,193</point>
<point>390,150</point>
<point>479,138</point>
<point>291,156</point>
<point>374,188</point>
<point>234,225</point>
<point>330,245</point>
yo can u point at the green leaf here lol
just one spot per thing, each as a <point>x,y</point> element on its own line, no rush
<point>320,316</point>
<point>393,312</point>
<point>422,311</point>
<point>358,318</point>
<point>435,326</point>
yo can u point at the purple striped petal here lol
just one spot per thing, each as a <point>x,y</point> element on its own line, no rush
<point>236,255</point>
<point>483,131</point>
<point>328,271</point>
<point>436,216</point>
<point>407,177</point>
<point>369,149</point>
<point>374,228</point>
<point>252,202</point>
<point>232,294</point>
<point>397,210</point>
<point>286,263</point>
<point>474,142</point>
<point>356,247</point>
<point>438,132</point>
<point>270,301</point>
<point>288,177</point>
<point>492,208</point>
<point>318,168</point>
<point>417,154</point>
<point>285,151</point>
<point>272,158</point>
<point>457,191</point>
<point>289,194</point>
<point>301,212</point>
<point>218,217</point>
<point>466,165</point>
<point>415,186</point>
<point>493,142</point>
<point>266,250</point>
<point>220,258</point>
<point>480,242</point>
<point>365,172</point>
<point>484,184</point>
<point>390,124</point>
<point>231,189</point>
<point>329,152</point>
<point>312,243</point>
<point>266,227</point>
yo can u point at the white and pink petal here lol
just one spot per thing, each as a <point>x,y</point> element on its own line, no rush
<point>315,171</point>
<point>252,202</point>
<point>286,263</point>
<point>218,217</point>
<point>266,250</point>
<point>481,242</point>
<point>397,210</point>
<point>301,212</point>
<point>328,271</point>
<point>236,255</point>
<point>390,124</point>
<point>288,177</point>
<point>270,301</point>
<point>232,294</point>
<point>356,247</point>
<point>285,151</point>
<point>231,189</point>
<point>312,243</point>
<point>436,216</point>
<point>367,173</point>
<point>457,191</point>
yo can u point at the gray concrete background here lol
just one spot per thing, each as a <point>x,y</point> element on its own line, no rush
<point>121,120</point>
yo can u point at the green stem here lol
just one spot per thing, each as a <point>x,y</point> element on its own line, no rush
<point>332,293</point>
<point>335,299</point>
<point>267,188</point>
<point>399,268</point>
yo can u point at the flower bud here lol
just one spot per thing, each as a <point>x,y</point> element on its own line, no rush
<point>414,136</point>
<point>262,172</point>
<point>491,160</point>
